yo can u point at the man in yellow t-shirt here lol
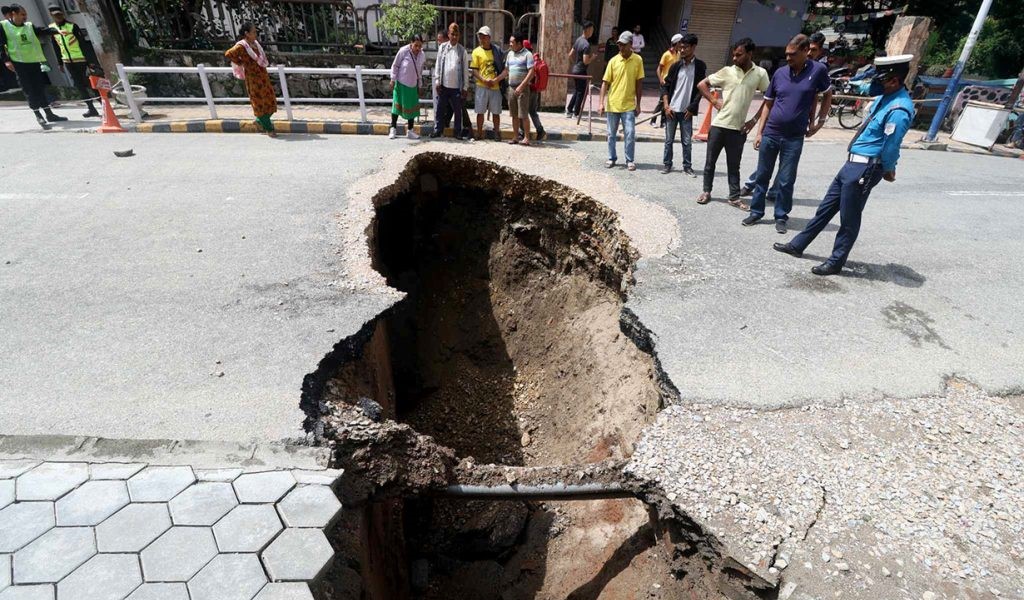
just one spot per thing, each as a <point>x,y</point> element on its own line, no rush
<point>668,58</point>
<point>729,128</point>
<point>623,86</point>
<point>487,97</point>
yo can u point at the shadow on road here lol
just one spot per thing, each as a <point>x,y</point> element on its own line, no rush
<point>900,275</point>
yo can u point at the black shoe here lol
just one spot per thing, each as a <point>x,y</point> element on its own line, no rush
<point>750,220</point>
<point>780,226</point>
<point>746,191</point>
<point>91,113</point>
<point>788,249</point>
<point>52,117</point>
<point>665,170</point>
<point>435,134</point>
<point>689,172</point>
<point>42,122</point>
<point>541,135</point>
<point>826,269</point>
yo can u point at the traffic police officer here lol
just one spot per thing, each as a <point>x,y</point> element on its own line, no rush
<point>21,52</point>
<point>872,156</point>
<point>76,54</point>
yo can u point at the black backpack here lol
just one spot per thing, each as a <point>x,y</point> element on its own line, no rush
<point>499,66</point>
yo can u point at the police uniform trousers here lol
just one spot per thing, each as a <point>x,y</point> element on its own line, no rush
<point>847,195</point>
<point>80,77</point>
<point>33,83</point>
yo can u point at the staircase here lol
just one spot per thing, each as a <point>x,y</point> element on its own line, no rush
<point>657,43</point>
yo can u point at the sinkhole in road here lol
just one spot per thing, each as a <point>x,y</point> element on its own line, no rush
<point>512,347</point>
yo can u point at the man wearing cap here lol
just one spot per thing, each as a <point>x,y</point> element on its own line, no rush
<point>622,84</point>
<point>668,58</point>
<point>21,53</point>
<point>488,67</point>
<point>76,54</point>
<point>873,154</point>
<point>451,80</point>
<point>582,54</point>
<point>785,122</point>
<point>680,100</point>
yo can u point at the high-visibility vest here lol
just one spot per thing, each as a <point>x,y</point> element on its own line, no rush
<point>70,49</point>
<point>22,43</point>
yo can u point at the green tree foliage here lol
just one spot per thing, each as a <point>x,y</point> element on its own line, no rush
<point>407,18</point>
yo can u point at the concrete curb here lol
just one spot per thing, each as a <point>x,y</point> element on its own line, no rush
<point>342,128</point>
<point>200,454</point>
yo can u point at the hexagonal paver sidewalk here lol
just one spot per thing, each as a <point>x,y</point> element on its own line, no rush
<point>128,530</point>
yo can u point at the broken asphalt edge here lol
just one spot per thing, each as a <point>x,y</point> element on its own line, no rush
<point>201,454</point>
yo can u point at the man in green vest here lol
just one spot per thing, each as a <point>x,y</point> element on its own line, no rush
<point>22,53</point>
<point>76,54</point>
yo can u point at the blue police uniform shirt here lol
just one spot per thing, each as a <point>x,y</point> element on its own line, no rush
<point>885,129</point>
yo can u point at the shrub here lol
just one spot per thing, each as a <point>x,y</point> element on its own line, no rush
<point>407,18</point>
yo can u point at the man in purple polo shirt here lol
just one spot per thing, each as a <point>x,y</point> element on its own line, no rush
<point>785,121</point>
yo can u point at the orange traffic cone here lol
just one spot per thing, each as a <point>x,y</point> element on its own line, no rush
<point>110,122</point>
<point>705,126</point>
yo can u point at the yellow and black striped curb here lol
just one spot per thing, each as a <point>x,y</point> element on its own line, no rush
<point>338,127</point>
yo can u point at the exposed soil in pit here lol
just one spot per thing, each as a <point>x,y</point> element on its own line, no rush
<point>512,347</point>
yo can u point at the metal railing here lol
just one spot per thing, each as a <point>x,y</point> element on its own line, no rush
<point>281,71</point>
<point>588,99</point>
<point>285,25</point>
<point>469,19</point>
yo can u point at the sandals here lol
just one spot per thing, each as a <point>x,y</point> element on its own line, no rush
<point>739,204</point>
<point>704,198</point>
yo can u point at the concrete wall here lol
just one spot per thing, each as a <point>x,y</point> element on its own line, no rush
<point>765,26</point>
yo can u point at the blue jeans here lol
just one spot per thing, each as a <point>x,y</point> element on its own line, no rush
<point>773,193</point>
<point>685,132</point>
<point>847,196</point>
<point>787,151</point>
<point>628,120</point>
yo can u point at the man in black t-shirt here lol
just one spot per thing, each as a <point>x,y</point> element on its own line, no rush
<point>611,48</point>
<point>582,55</point>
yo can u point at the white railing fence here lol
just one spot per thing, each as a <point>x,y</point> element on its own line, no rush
<point>281,71</point>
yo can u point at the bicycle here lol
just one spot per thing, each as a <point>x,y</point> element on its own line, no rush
<point>849,111</point>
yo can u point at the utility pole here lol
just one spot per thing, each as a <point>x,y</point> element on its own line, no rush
<point>958,71</point>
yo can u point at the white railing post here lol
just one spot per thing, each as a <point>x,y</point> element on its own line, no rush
<point>359,89</point>
<point>206,90</point>
<point>284,91</point>
<point>129,97</point>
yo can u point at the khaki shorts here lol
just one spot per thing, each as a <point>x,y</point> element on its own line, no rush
<point>518,106</point>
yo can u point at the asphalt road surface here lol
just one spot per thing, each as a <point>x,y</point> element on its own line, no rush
<point>186,291</point>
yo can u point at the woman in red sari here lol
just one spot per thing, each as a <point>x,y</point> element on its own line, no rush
<point>250,63</point>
